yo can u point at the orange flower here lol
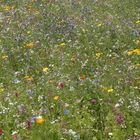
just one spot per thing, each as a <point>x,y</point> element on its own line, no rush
<point>29,78</point>
<point>82,77</point>
<point>40,120</point>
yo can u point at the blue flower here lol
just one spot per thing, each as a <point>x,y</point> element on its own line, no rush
<point>66,111</point>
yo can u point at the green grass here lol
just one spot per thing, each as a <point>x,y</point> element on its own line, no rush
<point>90,89</point>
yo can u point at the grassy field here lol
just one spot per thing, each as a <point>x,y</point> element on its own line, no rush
<point>69,70</point>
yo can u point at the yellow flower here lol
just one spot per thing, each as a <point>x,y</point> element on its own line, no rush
<point>1,89</point>
<point>30,45</point>
<point>138,65</point>
<point>137,42</point>
<point>98,55</point>
<point>45,69</point>
<point>4,57</point>
<point>130,52</point>
<point>99,25</point>
<point>62,44</point>
<point>50,81</point>
<point>28,78</point>
<point>40,120</point>
<point>135,51</point>
<point>137,22</point>
<point>8,8</point>
<point>110,90</point>
<point>28,32</point>
<point>56,98</point>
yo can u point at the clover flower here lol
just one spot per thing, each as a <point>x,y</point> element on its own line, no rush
<point>119,118</point>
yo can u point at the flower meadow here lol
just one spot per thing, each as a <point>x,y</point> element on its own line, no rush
<point>69,70</point>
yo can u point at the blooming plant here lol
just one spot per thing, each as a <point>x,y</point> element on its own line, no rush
<point>69,70</point>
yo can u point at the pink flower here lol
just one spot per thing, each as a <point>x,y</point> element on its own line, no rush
<point>119,118</point>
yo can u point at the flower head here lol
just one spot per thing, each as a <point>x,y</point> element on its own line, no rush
<point>45,69</point>
<point>4,57</point>
<point>137,22</point>
<point>137,42</point>
<point>1,132</point>
<point>56,98</point>
<point>8,8</point>
<point>1,89</point>
<point>99,25</point>
<point>135,52</point>
<point>38,119</point>
<point>82,77</point>
<point>29,45</point>
<point>28,78</point>
<point>98,55</point>
<point>110,90</point>
<point>119,118</point>
<point>61,85</point>
<point>62,44</point>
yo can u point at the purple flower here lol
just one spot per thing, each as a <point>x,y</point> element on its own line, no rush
<point>34,118</point>
<point>28,124</point>
<point>119,118</point>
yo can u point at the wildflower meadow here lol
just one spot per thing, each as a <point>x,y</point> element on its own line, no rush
<point>69,69</point>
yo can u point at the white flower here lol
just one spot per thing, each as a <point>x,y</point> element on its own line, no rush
<point>71,132</point>
<point>110,134</point>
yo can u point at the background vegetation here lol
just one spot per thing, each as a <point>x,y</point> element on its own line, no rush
<point>69,69</point>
